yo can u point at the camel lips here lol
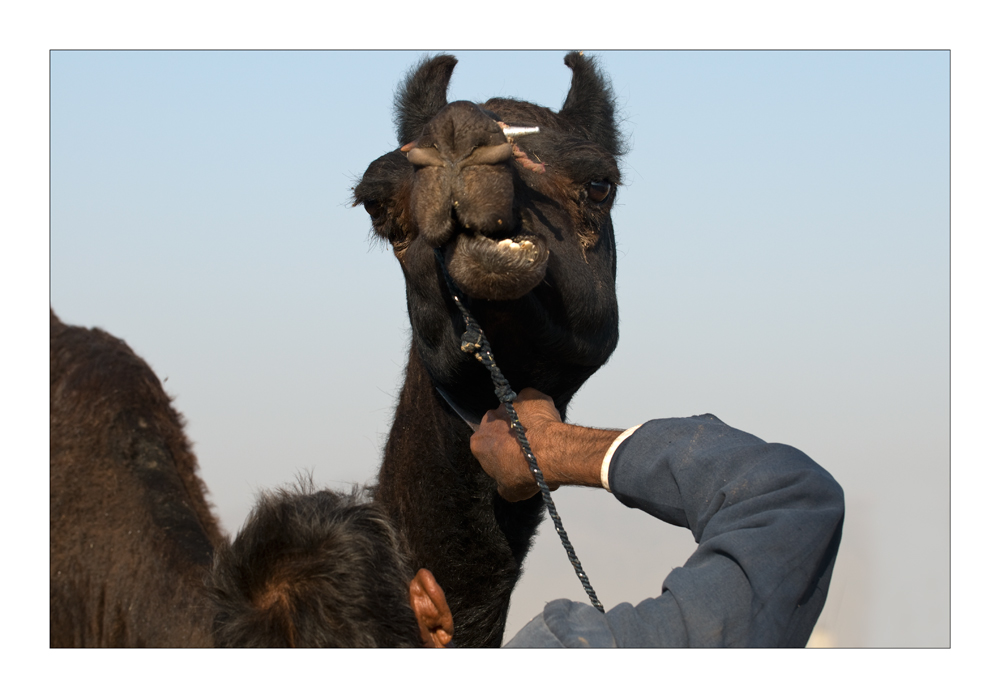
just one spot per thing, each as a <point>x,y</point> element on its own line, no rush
<point>496,270</point>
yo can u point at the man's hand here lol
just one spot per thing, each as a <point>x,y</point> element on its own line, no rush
<point>567,454</point>
<point>496,448</point>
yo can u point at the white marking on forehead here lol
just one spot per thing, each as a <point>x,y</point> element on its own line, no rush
<point>511,131</point>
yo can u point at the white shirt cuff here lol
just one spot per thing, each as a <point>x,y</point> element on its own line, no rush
<point>606,464</point>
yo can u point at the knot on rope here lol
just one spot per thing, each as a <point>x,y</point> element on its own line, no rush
<point>472,340</point>
<point>504,393</point>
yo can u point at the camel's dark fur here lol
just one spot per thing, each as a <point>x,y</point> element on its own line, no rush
<point>448,188</point>
<point>133,539</point>
<point>131,535</point>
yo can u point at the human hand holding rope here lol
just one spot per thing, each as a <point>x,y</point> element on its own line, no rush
<point>567,454</point>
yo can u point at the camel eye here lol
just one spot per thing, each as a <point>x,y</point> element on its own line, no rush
<point>377,210</point>
<point>598,191</point>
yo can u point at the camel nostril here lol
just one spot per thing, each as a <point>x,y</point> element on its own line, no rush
<point>425,157</point>
<point>488,155</point>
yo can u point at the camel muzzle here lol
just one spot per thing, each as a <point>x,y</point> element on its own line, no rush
<point>463,202</point>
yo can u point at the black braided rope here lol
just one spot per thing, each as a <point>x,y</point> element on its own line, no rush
<point>474,342</point>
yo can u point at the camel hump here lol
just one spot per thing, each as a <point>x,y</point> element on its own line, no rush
<point>99,384</point>
<point>129,521</point>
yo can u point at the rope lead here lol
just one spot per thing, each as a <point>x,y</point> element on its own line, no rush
<point>474,342</point>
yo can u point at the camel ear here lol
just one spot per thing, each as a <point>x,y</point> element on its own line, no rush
<point>590,104</point>
<point>422,95</point>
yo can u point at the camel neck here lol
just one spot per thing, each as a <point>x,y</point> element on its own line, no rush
<point>465,415</point>
<point>448,511</point>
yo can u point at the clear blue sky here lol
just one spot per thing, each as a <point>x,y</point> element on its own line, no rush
<point>783,264</point>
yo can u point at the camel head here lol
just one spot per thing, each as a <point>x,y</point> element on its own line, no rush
<point>518,199</point>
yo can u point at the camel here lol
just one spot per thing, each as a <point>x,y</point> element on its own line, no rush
<point>137,558</point>
<point>516,198</point>
<point>131,532</point>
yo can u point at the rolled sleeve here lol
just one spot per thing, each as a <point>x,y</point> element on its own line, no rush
<point>766,517</point>
<point>767,520</point>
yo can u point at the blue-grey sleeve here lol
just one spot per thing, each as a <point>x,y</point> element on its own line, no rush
<point>767,520</point>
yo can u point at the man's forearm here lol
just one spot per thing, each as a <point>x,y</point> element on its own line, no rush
<point>573,455</point>
<point>566,454</point>
<point>768,521</point>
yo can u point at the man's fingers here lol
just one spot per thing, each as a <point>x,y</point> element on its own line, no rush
<point>536,404</point>
<point>494,415</point>
<point>517,494</point>
<point>532,394</point>
<point>497,450</point>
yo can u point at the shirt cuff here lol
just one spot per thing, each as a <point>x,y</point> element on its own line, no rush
<point>606,464</point>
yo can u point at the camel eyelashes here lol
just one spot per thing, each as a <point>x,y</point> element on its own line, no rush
<point>598,191</point>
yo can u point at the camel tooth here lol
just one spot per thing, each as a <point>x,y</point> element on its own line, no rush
<point>515,246</point>
<point>505,243</point>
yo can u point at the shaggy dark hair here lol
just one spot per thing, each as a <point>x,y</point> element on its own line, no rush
<point>313,569</point>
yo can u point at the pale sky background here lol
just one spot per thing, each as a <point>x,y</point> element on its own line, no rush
<point>30,30</point>
<point>783,242</point>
